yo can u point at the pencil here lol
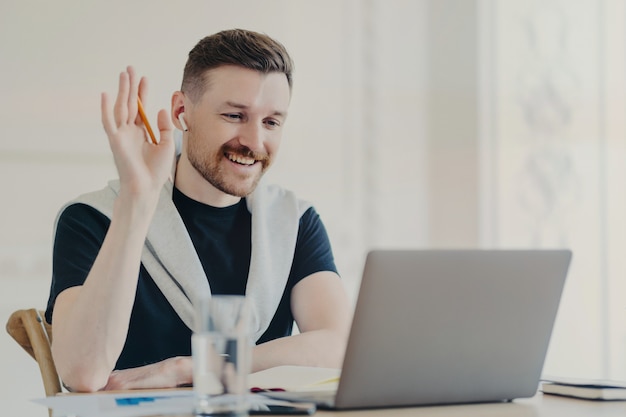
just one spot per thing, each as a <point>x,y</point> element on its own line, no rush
<point>144,119</point>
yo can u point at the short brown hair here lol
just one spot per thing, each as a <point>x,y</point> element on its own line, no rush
<point>238,47</point>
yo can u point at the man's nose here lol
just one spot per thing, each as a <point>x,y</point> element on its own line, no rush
<point>252,136</point>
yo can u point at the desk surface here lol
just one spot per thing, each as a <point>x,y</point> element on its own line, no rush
<point>538,406</point>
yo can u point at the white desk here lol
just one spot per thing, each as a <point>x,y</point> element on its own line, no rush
<point>538,406</point>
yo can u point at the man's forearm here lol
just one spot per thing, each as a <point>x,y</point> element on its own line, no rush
<point>90,322</point>
<point>321,348</point>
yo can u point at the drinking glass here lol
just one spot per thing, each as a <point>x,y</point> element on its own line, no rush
<point>221,354</point>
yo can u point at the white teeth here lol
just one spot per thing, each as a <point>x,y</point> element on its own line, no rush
<point>241,159</point>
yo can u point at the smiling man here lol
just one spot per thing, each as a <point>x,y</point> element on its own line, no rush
<point>129,260</point>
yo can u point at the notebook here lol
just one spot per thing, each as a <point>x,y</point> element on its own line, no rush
<point>589,389</point>
<point>447,327</point>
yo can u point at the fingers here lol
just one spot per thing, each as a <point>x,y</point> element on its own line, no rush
<point>132,96</point>
<point>125,109</point>
<point>120,109</point>
<point>106,114</point>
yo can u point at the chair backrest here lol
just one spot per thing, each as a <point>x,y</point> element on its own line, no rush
<point>31,332</point>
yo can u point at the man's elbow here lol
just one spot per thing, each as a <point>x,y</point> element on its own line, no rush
<point>78,380</point>
<point>84,376</point>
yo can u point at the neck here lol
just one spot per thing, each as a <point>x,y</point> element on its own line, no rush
<point>194,186</point>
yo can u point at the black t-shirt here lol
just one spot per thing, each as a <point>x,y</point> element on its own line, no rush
<point>222,239</point>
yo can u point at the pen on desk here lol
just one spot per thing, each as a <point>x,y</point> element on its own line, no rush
<point>144,119</point>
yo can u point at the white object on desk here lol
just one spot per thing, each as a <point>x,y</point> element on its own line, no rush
<point>296,378</point>
<point>591,389</point>
<point>121,404</point>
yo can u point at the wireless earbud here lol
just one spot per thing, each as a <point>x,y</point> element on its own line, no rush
<point>182,121</point>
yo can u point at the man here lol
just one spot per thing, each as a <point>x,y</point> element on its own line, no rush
<point>130,259</point>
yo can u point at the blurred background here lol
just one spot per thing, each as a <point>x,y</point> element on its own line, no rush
<point>413,124</point>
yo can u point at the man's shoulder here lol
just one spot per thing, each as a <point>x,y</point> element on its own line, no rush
<point>275,195</point>
<point>101,200</point>
<point>79,216</point>
<point>105,195</point>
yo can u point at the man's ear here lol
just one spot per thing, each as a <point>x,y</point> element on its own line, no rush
<point>178,108</point>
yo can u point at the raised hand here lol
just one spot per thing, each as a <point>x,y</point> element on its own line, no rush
<point>143,167</point>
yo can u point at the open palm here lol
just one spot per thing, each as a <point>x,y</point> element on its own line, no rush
<point>143,167</point>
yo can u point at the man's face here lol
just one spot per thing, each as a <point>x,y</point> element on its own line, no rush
<point>236,126</point>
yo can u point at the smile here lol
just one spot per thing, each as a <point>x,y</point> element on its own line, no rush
<point>242,160</point>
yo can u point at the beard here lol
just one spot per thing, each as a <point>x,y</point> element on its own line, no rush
<point>211,167</point>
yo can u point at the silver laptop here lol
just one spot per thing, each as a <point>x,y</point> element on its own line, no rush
<point>447,327</point>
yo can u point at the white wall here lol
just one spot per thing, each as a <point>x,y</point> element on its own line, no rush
<point>405,130</point>
<point>553,147</point>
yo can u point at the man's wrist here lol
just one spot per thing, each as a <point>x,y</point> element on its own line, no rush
<point>182,369</point>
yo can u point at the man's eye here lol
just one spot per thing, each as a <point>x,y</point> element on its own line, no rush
<point>232,116</point>
<point>272,123</point>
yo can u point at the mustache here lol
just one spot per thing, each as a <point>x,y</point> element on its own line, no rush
<point>245,152</point>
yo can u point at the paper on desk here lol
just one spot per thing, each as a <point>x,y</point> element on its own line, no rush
<point>296,378</point>
<point>121,404</point>
<point>171,401</point>
<point>131,403</point>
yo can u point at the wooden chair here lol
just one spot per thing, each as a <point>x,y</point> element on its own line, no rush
<point>31,332</point>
